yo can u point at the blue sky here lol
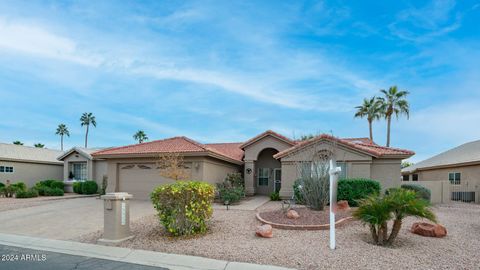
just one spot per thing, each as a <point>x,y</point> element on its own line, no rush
<point>220,71</point>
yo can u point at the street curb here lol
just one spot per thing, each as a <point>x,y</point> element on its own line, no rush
<point>127,255</point>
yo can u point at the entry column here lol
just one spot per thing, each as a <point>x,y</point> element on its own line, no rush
<point>249,175</point>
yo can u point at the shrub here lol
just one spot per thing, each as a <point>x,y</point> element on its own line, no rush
<point>297,195</point>
<point>2,185</point>
<point>235,179</point>
<point>422,192</point>
<point>184,207</point>
<point>103,189</point>
<point>41,189</point>
<point>399,203</point>
<point>89,187</point>
<point>31,193</point>
<point>54,192</point>
<point>51,183</point>
<point>19,186</point>
<point>230,194</point>
<point>77,187</point>
<point>353,190</point>
<point>275,196</point>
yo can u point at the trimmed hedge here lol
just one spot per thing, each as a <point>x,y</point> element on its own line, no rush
<point>2,185</point>
<point>54,192</point>
<point>51,184</point>
<point>184,207</point>
<point>355,189</point>
<point>422,192</point>
<point>18,186</point>
<point>85,187</point>
<point>31,193</point>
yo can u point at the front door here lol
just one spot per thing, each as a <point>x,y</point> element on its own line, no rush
<point>277,179</point>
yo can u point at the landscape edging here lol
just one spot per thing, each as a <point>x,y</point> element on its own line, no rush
<point>302,227</point>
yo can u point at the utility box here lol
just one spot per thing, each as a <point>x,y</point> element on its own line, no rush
<point>116,223</point>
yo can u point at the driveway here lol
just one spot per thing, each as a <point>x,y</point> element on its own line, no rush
<point>64,219</point>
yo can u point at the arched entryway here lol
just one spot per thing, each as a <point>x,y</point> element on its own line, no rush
<point>267,172</point>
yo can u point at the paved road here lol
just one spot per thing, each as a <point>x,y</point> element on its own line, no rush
<point>64,219</point>
<point>58,261</point>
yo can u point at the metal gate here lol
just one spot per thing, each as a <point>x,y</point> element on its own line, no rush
<point>465,191</point>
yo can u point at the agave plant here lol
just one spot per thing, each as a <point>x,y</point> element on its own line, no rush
<point>376,211</point>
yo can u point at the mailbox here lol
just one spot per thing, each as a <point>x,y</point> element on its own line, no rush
<point>116,223</point>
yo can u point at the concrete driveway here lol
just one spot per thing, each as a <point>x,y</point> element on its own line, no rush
<point>64,219</point>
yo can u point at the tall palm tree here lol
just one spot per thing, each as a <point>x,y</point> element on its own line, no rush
<point>86,120</point>
<point>62,130</point>
<point>39,145</point>
<point>140,136</point>
<point>372,110</point>
<point>393,103</point>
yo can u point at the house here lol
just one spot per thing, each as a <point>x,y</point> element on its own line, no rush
<point>267,161</point>
<point>27,164</point>
<point>460,167</point>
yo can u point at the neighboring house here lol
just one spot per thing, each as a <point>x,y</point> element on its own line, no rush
<point>27,164</point>
<point>268,162</point>
<point>79,164</point>
<point>459,166</point>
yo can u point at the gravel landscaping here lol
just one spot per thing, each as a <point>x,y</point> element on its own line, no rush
<point>307,216</point>
<point>14,203</point>
<point>232,237</point>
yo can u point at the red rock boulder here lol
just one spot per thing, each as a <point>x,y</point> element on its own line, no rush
<point>427,229</point>
<point>342,205</point>
<point>292,214</point>
<point>264,231</point>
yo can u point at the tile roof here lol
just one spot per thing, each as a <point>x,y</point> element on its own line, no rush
<point>175,145</point>
<point>467,153</point>
<point>86,152</point>
<point>361,144</point>
<point>30,154</point>
<point>266,133</point>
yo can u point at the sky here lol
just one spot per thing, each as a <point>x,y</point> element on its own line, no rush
<point>225,71</point>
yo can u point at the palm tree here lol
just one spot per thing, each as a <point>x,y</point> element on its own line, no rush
<point>140,136</point>
<point>18,143</point>
<point>371,109</point>
<point>393,102</point>
<point>39,145</point>
<point>62,130</point>
<point>86,120</point>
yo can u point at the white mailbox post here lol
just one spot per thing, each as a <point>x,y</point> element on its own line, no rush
<point>334,171</point>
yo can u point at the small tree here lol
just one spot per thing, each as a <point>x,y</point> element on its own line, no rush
<point>171,166</point>
<point>17,143</point>
<point>39,145</point>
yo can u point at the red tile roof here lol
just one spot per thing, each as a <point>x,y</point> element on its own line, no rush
<point>175,145</point>
<point>266,133</point>
<point>360,144</point>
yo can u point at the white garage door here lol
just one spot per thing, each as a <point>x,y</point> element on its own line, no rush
<point>140,179</point>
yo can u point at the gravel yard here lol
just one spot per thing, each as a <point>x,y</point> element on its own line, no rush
<point>13,203</point>
<point>232,237</point>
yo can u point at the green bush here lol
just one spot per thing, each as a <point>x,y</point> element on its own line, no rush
<point>235,179</point>
<point>275,196</point>
<point>230,194</point>
<point>353,190</point>
<point>31,193</point>
<point>41,189</point>
<point>19,186</point>
<point>2,185</point>
<point>54,192</point>
<point>89,187</point>
<point>77,187</point>
<point>184,207</point>
<point>297,193</point>
<point>422,192</point>
<point>51,183</point>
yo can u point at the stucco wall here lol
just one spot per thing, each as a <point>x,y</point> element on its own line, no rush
<point>215,171</point>
<point>387,172</point>
<point>75,157</point>
<point>30,173</point>
<point>99,170</point>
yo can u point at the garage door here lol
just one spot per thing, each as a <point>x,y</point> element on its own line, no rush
<point>140,179</point>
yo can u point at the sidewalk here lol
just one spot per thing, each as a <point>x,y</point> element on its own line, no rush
<point>142,257</point>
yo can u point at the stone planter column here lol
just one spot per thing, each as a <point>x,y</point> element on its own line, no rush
<point>249,174</point>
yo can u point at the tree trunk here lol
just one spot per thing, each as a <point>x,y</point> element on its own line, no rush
<point>384,229</point>
<point>86,137</point>
<point>370,129</point>
<point>389,121</point>
<point>61,141</point>
<point>374,233</point>
<point>397,224</point>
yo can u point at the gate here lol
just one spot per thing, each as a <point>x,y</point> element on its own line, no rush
<point>465,191</point>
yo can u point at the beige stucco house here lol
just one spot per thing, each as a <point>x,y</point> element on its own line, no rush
<point>267,161</point>
<point>80,165</point>
<point>459,167</point>
<point>27,164</point>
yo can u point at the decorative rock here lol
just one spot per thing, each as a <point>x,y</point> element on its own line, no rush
<point>264,231</point>
<point>427,229</point>
<point>342,205</point>
<point>292,214</point>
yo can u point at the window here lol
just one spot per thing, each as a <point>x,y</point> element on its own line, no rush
<point>406,177</point>
<point>6,169</point>
<point>263,175</point>
<point>79,171</point>
<point>454,178</point>
<point>415,177</point>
